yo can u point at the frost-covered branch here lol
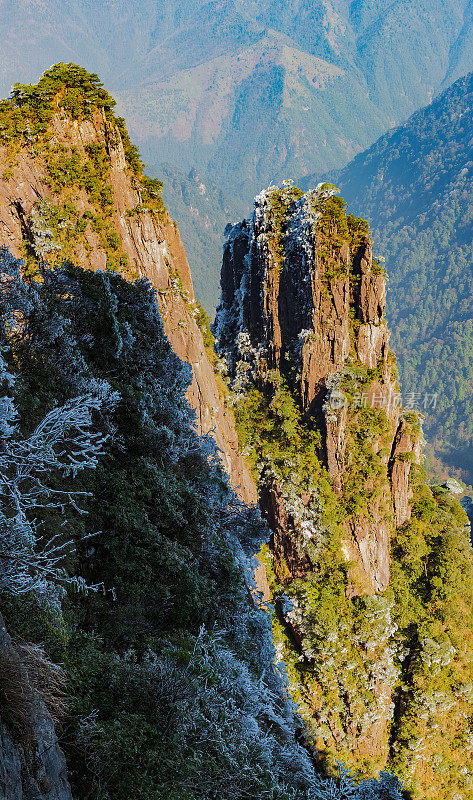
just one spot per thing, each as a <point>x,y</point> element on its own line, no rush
<point>64,443</point>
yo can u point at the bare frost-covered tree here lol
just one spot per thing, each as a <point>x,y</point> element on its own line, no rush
<point>64,443</point>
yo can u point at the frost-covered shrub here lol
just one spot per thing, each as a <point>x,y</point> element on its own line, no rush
<point>385,787</point>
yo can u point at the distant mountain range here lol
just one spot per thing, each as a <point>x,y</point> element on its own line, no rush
<point>249,92</point>
<point>203,212</point>
<point>415,187</point>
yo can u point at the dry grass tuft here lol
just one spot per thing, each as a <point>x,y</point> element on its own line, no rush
<point>48,679</point>
<point>17,698</point>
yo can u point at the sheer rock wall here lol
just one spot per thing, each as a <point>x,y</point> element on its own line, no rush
<point>154,250</point>
<point>313,319</point>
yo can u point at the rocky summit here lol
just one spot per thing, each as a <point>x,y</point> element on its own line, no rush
<point>338,463</point>
<point>308,302</point>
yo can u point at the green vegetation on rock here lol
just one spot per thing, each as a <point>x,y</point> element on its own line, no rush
<point>382,678</point>
<point>27,129</point>
<point>24,119</point>
<point>418,633</point>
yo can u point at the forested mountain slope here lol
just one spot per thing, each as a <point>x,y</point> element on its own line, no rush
<point>415,187</point>
<point>305,57</point>
<point>370,569</point>
<point>203,211</point>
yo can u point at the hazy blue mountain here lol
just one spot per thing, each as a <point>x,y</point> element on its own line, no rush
<point>253,92</point>
<point>415,187</point>
<point>209,83</point>
<point>247,92</point>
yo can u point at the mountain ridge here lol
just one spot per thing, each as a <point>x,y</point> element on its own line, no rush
<point>161,41</point>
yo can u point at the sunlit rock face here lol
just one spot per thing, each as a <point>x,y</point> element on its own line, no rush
<point>150,243</point>
<point>303,302</point>
<point>303,296</point>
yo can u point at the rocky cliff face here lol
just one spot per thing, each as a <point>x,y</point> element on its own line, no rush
<point>72,188</point>
<point>48,210</point>
<point>302,307</point>
<point>315,314</point>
